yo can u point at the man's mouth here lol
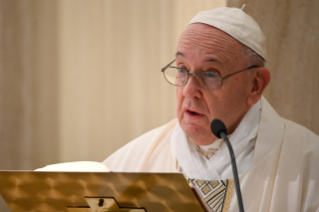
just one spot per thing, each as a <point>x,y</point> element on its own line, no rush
<point>193,113</point>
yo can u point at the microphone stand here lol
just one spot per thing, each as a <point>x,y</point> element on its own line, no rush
<point>235,173</point>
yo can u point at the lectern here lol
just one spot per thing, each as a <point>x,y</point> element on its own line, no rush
<point>26,191</point>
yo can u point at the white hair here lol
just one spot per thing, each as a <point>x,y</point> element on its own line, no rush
<point>252,57</point>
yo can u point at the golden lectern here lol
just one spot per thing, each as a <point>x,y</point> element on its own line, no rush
<point>26,191</point>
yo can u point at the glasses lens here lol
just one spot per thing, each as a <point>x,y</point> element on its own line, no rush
<point>176,76</point>
<point>209,80</point>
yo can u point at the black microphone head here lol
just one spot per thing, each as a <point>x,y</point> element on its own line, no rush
<point>217,126</point>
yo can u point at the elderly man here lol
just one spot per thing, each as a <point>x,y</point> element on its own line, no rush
<point>219,73</point>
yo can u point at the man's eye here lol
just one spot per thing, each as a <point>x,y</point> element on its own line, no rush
<point>210,74</point>
<point>181,71</point>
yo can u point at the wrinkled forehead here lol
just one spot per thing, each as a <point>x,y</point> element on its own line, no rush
<point>199,33</point>
<point>203,41</point>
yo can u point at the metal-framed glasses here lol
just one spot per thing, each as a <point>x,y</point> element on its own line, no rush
<point>206,79</point>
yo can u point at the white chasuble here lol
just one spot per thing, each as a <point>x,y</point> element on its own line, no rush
<point>284,173</point>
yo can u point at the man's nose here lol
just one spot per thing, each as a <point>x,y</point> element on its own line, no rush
<point>192,88</point>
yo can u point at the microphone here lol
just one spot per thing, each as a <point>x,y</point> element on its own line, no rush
<point>219,129</point>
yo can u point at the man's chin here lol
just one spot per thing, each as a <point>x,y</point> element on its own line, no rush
<point>194,131</point>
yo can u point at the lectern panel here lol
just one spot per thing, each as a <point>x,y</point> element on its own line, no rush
<point>56,191</point>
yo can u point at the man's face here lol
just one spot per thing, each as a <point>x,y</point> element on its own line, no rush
<point>205,48</point>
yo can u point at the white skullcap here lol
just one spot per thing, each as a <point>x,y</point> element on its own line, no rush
<point>237,24</point>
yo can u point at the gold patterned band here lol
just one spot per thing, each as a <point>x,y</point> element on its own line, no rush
<point>216,194</point>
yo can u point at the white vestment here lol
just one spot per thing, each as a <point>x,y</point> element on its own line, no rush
<point>284,175</point>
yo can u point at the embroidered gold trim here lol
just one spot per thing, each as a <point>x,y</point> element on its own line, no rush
<point>216,194</point>
<point>229,194</point>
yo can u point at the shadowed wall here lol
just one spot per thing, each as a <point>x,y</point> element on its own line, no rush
<point>28,84</point>
<point>292,33</point>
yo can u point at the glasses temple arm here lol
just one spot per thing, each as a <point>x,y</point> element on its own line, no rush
<point>225,77</point>
<point>163,69</point>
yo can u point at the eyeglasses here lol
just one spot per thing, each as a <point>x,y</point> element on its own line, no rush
<point>206,79</point>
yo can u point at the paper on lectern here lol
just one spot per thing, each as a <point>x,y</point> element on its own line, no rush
<point>78,166</point>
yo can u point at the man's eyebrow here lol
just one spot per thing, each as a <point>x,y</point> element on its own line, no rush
<point>212,60</point>
<point>207,60</point>
<point>180,54</point>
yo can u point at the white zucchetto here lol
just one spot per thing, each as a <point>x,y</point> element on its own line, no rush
<point>237,24</point>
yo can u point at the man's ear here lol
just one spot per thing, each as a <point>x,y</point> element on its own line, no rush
<point>259,80</point>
